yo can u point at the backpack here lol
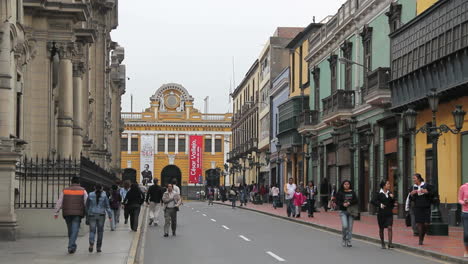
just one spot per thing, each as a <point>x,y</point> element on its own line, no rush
<point>115,200</point>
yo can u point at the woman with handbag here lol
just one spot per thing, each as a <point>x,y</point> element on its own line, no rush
<point>347,201</point>
<point>422,195</point>
<point>384,201</point>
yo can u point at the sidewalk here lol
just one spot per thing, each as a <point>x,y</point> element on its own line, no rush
<point>116,248</point>
<point>443,247</point>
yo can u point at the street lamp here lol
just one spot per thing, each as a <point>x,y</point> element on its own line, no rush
<point>437,227</point>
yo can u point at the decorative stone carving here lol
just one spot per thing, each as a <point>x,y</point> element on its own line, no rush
<point>66,50</point>
<point>79,68</point>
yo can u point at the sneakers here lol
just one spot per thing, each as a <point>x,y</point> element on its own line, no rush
<point>348,244</point>
<point>98,250</point>
<point>390,245</point>
<point>71,250</point>
<point>90,249</point>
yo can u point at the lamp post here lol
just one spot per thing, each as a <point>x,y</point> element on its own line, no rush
<point>278,162</point>
<point>437,227</point>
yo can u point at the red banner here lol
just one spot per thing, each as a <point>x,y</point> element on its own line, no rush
<point>195,158</point>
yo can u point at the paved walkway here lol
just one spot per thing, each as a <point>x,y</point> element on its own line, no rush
<point>451,245</point>
<point>53,250</point>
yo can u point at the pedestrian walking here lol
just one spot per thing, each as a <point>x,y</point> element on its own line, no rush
<point>123,193</point>
<point>289,190</point>
<point>384,201</point>
<point>275,191</point>
<point>346,200</point>
<point>97,207</point>
<point>233,196</point>
<point>422,194</point>
<point>171,201</point>
<point>299,200</point>
<point>463,200</point>
<point>175,188</point>
<point>210,194</point>
<point>222,192</point>
<point>243,194</point>
<point>72,202</point>
<point>154,202</point>
<point>325,190</point>
<point>115,202</point>
<point>133,201</point>
<point>311,191</point>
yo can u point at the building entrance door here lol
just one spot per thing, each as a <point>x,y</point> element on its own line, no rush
<point>169,173</point>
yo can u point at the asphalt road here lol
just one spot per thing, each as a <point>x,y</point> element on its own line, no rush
<point>218,234</point>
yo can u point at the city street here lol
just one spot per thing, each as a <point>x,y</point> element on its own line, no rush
<point>219,234</point>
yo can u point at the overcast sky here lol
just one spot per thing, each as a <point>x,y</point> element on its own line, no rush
<point>193,43</point>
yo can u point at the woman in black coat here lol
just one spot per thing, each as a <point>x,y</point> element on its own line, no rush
<point>421,195</point>
<point>384,201</point>
<point>133,201</point>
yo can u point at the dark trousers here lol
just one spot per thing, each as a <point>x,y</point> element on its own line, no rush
<point>170,217</point>
<point>324,201</point>
<point>126,212</point>
<point>134,212</point>
<point>311,206</point>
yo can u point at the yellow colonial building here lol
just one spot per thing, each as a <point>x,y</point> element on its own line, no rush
<point>173,140</point>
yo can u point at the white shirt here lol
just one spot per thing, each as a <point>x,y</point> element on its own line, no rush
<point>291,190</point>
<point>274,191</point>
<point>176,189</point>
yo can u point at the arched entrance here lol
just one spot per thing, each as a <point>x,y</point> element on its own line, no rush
<point>170,173</point>
<point>212,177</point>
<point>129,174</point>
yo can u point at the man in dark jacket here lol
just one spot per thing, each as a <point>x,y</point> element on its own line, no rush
<point>72,201</point>
<point>154,200</point>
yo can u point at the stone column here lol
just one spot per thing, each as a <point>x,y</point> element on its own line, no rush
<point>187,143</point>
<point>166,143</point>
<point>213,137</point>
<point>176,144</point>
<point>129,143</point>
<point>65,113</point>
<point>156,137</point>
<point>6,82</point>
<point>78,70</point>
<point>9,156</point>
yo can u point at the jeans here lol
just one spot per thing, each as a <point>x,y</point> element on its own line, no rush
<point>311,206</point>
<point>134,212</point>
<point>275,201</point>
<point>96,223</point>
<point>464,218</point>
<point>115,218</point>
<point>170,217</point>
<point>233,200</point>
<point>290,208</point>
<point>154,210</point>
<point>346,225</point>
<point>73,227</point>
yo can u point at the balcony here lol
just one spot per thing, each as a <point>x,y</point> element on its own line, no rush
<point>338,106</point>
<point>308,121</point>
<point>377,91</point>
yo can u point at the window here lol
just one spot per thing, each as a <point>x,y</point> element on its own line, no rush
<point>347,49</point>
<point>134,144</point>
<point>316,77</point>
<point>171,145</point>
<point>218,145</point>
<point>394,16</point>
<point>181,144</point>
<point>161,145</point>
<point>333,60</point>
<point>123,144</point>
<point>366,36</point>
<point>207,144</point>
<point>428,165</point>
<point>293,62</point>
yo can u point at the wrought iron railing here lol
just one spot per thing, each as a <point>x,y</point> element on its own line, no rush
<point>339,100</point>
<point>41,180</point>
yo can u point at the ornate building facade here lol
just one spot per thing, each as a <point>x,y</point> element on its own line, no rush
<point>61,80</point>
<point>172,140</point>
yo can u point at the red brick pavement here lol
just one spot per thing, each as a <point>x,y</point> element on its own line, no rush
<point>451,245</point>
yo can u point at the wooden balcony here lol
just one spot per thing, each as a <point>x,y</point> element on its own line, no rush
<point>338,106</point>
<point>377,91</point>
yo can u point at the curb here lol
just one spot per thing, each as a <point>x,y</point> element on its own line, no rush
<point>419,251</point>
<point>135,254</point>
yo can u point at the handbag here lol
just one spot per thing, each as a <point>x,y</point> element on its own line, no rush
<point>408,219</point>
<point>353,210</point>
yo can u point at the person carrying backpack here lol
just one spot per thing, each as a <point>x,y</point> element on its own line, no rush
<point>115,203</point>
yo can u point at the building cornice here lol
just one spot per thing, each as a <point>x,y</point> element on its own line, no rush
<point>167,124</point>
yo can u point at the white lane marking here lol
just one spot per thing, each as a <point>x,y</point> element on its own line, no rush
<point>204,214</point>
<point>213,220</point>
<point>275,256</point>
<point>198,211</point>
<point>225,227</point>
<point>243,237</point>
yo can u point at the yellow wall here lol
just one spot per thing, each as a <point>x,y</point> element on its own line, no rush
<point>422,5</point>
<point>449,151</point>
<point>295,68</point>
